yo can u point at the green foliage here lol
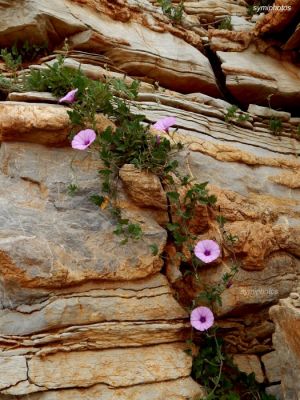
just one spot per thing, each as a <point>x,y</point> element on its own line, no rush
<point>72,189</point>
<point>212,293</point>
<point>251,10</point>
<point>128,230</point>
<point>275,125</point>
<point>231,115</point>
<point>18,53</point>
<point>226,24</point>
<point>154,249</point>
<point>12,59</point>
<point>56,79</point>
<point>97,200</point>
<point>173,12</point>
<point>185,208</point>
<point>220,377</point>
<point>5,84</point>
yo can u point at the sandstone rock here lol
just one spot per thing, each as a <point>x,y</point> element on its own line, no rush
<point>268,112</point>
<point>241,24</point>
<point>12,371</point>
<point>253,77</point>
<point>148,300</point>
<point>272,367</point>
<point>249,364</point>
<point>191,71</point>
<point>143,187</point>
<point>32,97</point>
<point>179,389</point>
<point>276,391</point>
<point>286,317</point>
<point>113,367</point>
<point>210,11</point>
<point>252,289</point>
<point>49,236</point>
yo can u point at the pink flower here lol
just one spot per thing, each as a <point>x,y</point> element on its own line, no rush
<point>70,97</point>
<point>207,250</point>
<point>83,139</point>
<point>202,318</point>
<point>164,124</point>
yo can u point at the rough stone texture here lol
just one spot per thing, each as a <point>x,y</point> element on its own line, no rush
<point>38,123</point>
<point>179,389</point>
<point>82,316</point>
<point>144,188</point>
<point>33,252</point>
<point>278,21</point>
<point>249,364</point>
<point>252,76</point>
<point>122,34</point>
<point>272,366</point>
<point>286,316</point>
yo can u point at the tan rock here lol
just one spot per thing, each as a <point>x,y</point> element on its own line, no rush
<point>272,366</point>
<point>38,123</point>
<point>123,35</point>
<point>143,187</point>
<point>179,389</point>
<point>122,303</point>
<point>34,254</point>
<point>111,367</point>
<point>249,363</point>
<point>215,10</point>
<point>260,76</point>
<point>12,371</point>
<point>286,339</point>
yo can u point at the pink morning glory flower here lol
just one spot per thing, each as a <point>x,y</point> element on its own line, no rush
<point>202,318</point>
<point>83,139</point>
<point>164,124</point>
<point>207,250</point>
<point>70,97</point>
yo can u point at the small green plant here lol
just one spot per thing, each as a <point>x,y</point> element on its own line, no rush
<point>221,378</point>
<point>251,10</point>
<point>275,125</point>
<point>298,130</point>
<point>226,24</point>
<point>14,56</point>
<point>72,189</point>
<point>175,13</point>
<point>231,115</point>
<point>12,59</point>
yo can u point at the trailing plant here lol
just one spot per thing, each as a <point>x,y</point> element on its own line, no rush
<point>131,141</point>
<point>220,376</point>
<point>175,13</point>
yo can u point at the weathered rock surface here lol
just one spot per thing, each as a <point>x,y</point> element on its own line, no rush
<point>286,316</point>
<point>254,77</point>
<point>83,317</point>
<point>249,364</point>
<point>179,389</point>
<point>137,45</point>
<point>272,366</point>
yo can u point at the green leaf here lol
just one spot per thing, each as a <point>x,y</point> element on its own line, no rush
<point>96,199</point>
<point>173,197</point>
<point>154,249</point>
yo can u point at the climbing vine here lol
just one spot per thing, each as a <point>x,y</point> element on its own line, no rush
<point>129,140</point>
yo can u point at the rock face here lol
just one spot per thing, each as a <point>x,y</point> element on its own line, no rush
<point>286,316</point>
<point>84,317</point>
